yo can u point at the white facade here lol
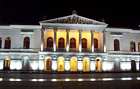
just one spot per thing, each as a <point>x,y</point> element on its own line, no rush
<point>120,60</point>
<point>17,36</point>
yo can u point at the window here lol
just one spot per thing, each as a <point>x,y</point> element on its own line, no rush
<point>0,43</point>
<point>95,43</point>
<point>116,45</point>
<point>7,44</point>
<point>84,43</point>
<point>61,43</point>
<point>132,46</point>
<point>26,42</point>
<point>116,33</point>
<point>139,47</point>
<point>72,43</point>
<point>50,42</point>
<point>27,30</point>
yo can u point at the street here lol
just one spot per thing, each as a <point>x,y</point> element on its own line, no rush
<point>70,81</point>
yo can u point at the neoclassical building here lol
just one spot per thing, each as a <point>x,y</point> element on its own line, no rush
<point>69,44</point>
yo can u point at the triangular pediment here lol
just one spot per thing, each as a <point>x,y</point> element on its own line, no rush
<point>73,19</point>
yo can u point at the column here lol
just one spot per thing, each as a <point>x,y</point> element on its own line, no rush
<point>54,43</point>
<point>67,40</point>
<point>80,41</point>
<point>42,38</point>
<point>92,41</point>
<point>104,41</point>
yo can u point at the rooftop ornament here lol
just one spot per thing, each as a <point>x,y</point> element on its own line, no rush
<point>74,12</point>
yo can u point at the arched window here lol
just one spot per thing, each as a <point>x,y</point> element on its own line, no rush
<point>50,42</point>
<point>132,46</point>
<point>61,43</point>
<point>7,44</point>
<point>72,43</point>
<point>116,45</point>
<point>84,43</point>
<point>139,47</point>
<point>0,43</point>
<point>26,43</point>
<point>95,43</point>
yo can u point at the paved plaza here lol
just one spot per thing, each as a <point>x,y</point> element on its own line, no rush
<point>70,81</point>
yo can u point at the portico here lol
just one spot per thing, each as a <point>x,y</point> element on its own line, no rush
<point>73,33</point>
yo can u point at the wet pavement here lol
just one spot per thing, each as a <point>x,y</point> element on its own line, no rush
<point>69,81</point>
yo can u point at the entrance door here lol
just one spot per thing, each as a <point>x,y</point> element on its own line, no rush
<point>84,44</point>
<point>6,64</point>
<point>48,64</point>
<point>98,65</point>
<point>86,64</point>
<point>25,63</point>
<point>133,65</point>
<point>60,64</point>
<point>73,64</point>
<point>61,43</point>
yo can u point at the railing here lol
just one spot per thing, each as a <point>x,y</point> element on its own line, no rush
<point>96,50</point>
<point>72,50</point>
<point>122,52</point>
<point>20,50</point>
<point>49,49</point>
<point>86,50</point>
<point>61,49</point>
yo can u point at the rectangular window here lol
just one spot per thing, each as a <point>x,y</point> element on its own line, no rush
<point>27,30</point>
<point>116,33</point>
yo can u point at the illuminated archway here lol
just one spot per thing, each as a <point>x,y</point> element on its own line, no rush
<point>98,65</point>
<point>50,42</point>
<point>84,43</point>
<point>73,64</point>
<point>61,43</point>
<point>7,62</point>
<point>72,43</point>
<point>48,64</point>
<point>95,43</point>
<point>86,64</point>
<point>60,64</point>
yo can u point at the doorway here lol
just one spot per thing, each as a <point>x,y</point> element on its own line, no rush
<point>26,63</point>
<point>60,64</point>
<point>133,65</point>
<point>98,65</point>
<point>6,64</point>
<point>48,64</point>
<point>86,64</point>
<point>73,64</point>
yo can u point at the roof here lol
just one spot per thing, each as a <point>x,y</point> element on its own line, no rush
<point>19,27</point>
<point>73,19</point>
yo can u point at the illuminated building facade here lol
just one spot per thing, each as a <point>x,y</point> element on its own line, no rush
<point>69,44</point>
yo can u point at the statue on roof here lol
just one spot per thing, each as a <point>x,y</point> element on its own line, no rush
<point>74,12</point>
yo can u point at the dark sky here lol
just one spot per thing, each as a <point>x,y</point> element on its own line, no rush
<point>116,12</point>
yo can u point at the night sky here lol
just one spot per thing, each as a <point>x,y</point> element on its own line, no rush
<point>116,13</point>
